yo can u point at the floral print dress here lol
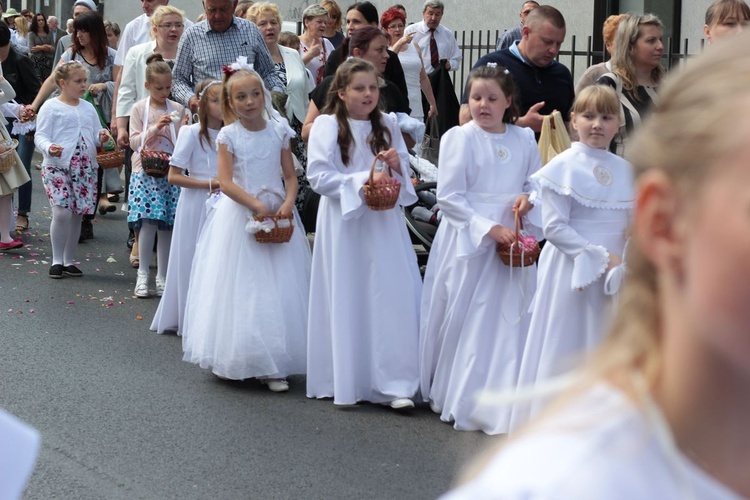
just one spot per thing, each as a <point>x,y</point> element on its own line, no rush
<point>73,186</point>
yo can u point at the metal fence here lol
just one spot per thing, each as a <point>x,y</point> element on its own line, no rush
<point>578,57</point>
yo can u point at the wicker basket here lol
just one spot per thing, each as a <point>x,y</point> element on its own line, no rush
<point>514,255</point>
<point>381,196</point>
<point>8,159</point>
<point>277,234</point>
<point>156,163</point>
<point>110,159</point>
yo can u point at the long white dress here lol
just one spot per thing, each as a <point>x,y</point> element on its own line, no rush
<point>246,310</point>
<point>474,307</point>
<point>600,446</point>
<point>365,285</point>
<point>411,62</point>
<point>586,196</point>
<point>199,158</point>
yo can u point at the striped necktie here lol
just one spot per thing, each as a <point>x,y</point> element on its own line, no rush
<point>434,56</point>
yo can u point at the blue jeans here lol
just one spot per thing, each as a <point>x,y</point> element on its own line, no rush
<point>25,152</point>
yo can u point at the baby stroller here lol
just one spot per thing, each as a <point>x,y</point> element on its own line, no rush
<point>423,217</point>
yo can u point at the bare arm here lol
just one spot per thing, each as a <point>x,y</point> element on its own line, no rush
<point>177,177</point>
<point>312,113</point>
<point>290,182</point>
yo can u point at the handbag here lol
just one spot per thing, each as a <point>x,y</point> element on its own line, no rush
<point>431,141</point>
<point>554,138</point>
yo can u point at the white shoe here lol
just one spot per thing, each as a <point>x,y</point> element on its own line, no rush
<point>160,282</point>
<point>141,286</point>
<point>277,384</point>
<point>435,408</point>
<point>401,403</point>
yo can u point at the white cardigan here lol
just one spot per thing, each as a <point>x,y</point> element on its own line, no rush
<point>133,82</point>
<point>62,124</point>
<point>298,85</point>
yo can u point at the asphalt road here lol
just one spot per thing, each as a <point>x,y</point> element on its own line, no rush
<point>123,417</point>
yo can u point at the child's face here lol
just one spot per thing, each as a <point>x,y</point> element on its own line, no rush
<point>715,242</point>
<point>727,26</point>
<point>487,104</point>
<point>246,98</point>
<point>361,95</point>
<point>160,87</point>
<point>75,86</point>
<point>213,103</point>
<point>595,129</point>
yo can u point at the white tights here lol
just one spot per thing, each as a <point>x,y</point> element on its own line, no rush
<point>64,232</point>
<point>146,237</point>
<point>6,217</point>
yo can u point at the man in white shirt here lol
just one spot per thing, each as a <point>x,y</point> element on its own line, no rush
<point>437,42</point>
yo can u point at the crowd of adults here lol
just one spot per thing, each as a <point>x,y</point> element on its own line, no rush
<point>298,69</point>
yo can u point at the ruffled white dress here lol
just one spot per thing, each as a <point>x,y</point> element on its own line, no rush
<point>365,286</point>
<point>474,307</point>
<point>246,310</point>
<point>199,158</point>
<point>586,198</point>
<point>598,446</point>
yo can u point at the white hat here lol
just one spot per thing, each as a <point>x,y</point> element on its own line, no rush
<point>10,13</point>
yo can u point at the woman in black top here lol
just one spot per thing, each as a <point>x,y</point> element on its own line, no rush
<point>19,71</point>
<point>359,15</point>
<point>636,73</point>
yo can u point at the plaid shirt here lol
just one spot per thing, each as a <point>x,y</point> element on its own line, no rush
<point>202,53</point>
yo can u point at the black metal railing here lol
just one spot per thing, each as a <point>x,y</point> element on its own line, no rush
<point>475,44</point>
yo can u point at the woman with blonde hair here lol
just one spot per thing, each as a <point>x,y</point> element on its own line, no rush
<point>636,73</point>
<point>592,73</point>
<point>288,65</point>
<point>725,17</point>
<point>22,33</point>
<point>662,410</point>
<point>167,26</point>
<point>333,31</point>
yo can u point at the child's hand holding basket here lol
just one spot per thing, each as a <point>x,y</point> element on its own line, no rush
<point>382,190</point>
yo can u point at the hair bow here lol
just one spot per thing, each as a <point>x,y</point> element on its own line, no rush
<point>240,64</point>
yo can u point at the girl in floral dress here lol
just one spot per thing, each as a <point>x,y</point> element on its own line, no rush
<point>68,132</point>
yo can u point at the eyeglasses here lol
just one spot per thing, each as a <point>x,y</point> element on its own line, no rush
<point>169,26</point>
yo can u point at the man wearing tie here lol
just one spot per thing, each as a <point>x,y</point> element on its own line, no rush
<point>437,43</point>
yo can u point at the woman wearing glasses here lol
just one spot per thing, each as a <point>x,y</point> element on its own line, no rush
<point>166,30</point>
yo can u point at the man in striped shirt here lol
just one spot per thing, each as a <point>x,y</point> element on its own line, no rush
<point>214,42</point>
